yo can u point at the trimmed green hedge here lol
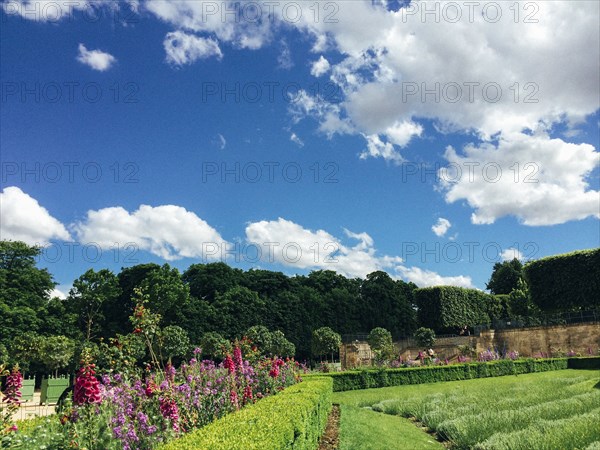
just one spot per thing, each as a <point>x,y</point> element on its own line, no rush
<point>366,379</point>
<point>565,282</point>
<point>450,308</point>
<point>293,419</point>
<point>592,363</point>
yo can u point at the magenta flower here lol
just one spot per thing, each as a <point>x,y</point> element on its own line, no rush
<point>12,392</point>
<point>87,388</point>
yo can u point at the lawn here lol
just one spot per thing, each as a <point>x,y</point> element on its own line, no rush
<point>550,410</point>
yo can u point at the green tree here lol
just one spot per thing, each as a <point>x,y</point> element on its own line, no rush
<point>167,294</point>
<point>261,337</point>
<point>505,277</point>
<point>238,309</point>
<point>214,345</point>
<point>56,352</point>
<point>174,342</point>
<point>425,337</point>
<point>207,281</point>
<point>87,297</point>
<point>280,346</point>
<point>325,341</point>
<point>380,341</point>
<point>388,304</point>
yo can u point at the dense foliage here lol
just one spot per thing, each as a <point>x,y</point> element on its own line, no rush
<point>567,282</point>
<point>450,308</point>
<point>505,277</point>
<point>212,303</point>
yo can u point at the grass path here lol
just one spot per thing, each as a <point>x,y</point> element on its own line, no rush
<point>364,429</point>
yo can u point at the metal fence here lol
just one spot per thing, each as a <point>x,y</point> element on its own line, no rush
<point>566,318</point>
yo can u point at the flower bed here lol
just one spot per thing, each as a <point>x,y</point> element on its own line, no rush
<point>142,412</point>
<point>295,418</point>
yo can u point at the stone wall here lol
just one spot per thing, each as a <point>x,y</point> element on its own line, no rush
<point>551,340</point>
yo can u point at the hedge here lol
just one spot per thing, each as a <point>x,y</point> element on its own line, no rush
<point>585,363</point>
<point>445,308</point>
<point>366,379</point>
<point>565,282</point>
<point>293,419</point>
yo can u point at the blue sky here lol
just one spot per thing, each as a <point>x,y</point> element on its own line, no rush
<point>352,136</point>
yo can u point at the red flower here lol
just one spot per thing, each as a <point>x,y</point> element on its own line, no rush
<point>87,387</point>
<point>228,363</point>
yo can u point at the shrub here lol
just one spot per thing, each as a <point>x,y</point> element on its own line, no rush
<point>425,337</point>
<point>565,282</point>
<point>294,418</point>
<point>448,308</point>
<point>366,379</point>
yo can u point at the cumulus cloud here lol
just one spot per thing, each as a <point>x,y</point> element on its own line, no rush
<point>511,253</point>
<point>320,67</point>
<point>426,278</point>
<point>441,227</point>
<point>24,219</point>
<point>377,148</point>
<point>96,59</point>
<point>184,48</point>
<point>168,231</point>
<point>59,292</point>
<point>541,181</point>
<point>285,242</point>
<point>47,10</point>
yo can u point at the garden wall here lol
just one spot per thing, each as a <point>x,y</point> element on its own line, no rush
<point>528,342</point>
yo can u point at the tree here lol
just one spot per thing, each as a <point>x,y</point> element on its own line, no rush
<point>379,338</point>
<point>238,309</point>
<point>380,341</point>
<point>261,337</point>
<point>21,282</point>
<point>167,294</point>
<point>280,346</point>
<point>87,297</point>
<point>325,341</point>
<point>425,337</point>
<point>388,304</point>
<point>505,277</point>
<point>174,342</point>
<point>56,352</point>
<point>207,281</point>
<point>214,345</point>
<point>24,290</point>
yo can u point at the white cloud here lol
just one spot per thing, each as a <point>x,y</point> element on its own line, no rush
<point>441,227</point>
<point>284,60</point>
<point>402,133</point>
<point>511,253</point>
<point>426,278</point>
<point>320,67</point>
<point>328,114</point>
<point>377,148</point>
<point>96,59</point>
<point>296,140</point>
<point>168,231</point>
<point>294,246</point>
<point>24,219</point>
<point>59,292</point>
<point>540,180</point>
<point>183,48</point>
<point>47,10</point>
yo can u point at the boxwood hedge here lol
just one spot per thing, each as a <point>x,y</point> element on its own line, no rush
<point>565,282</point>
<point>376,378</point>
<point>293,419</point>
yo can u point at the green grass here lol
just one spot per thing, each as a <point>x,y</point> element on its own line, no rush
<point>550,410</point>
<point>363,429</point>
